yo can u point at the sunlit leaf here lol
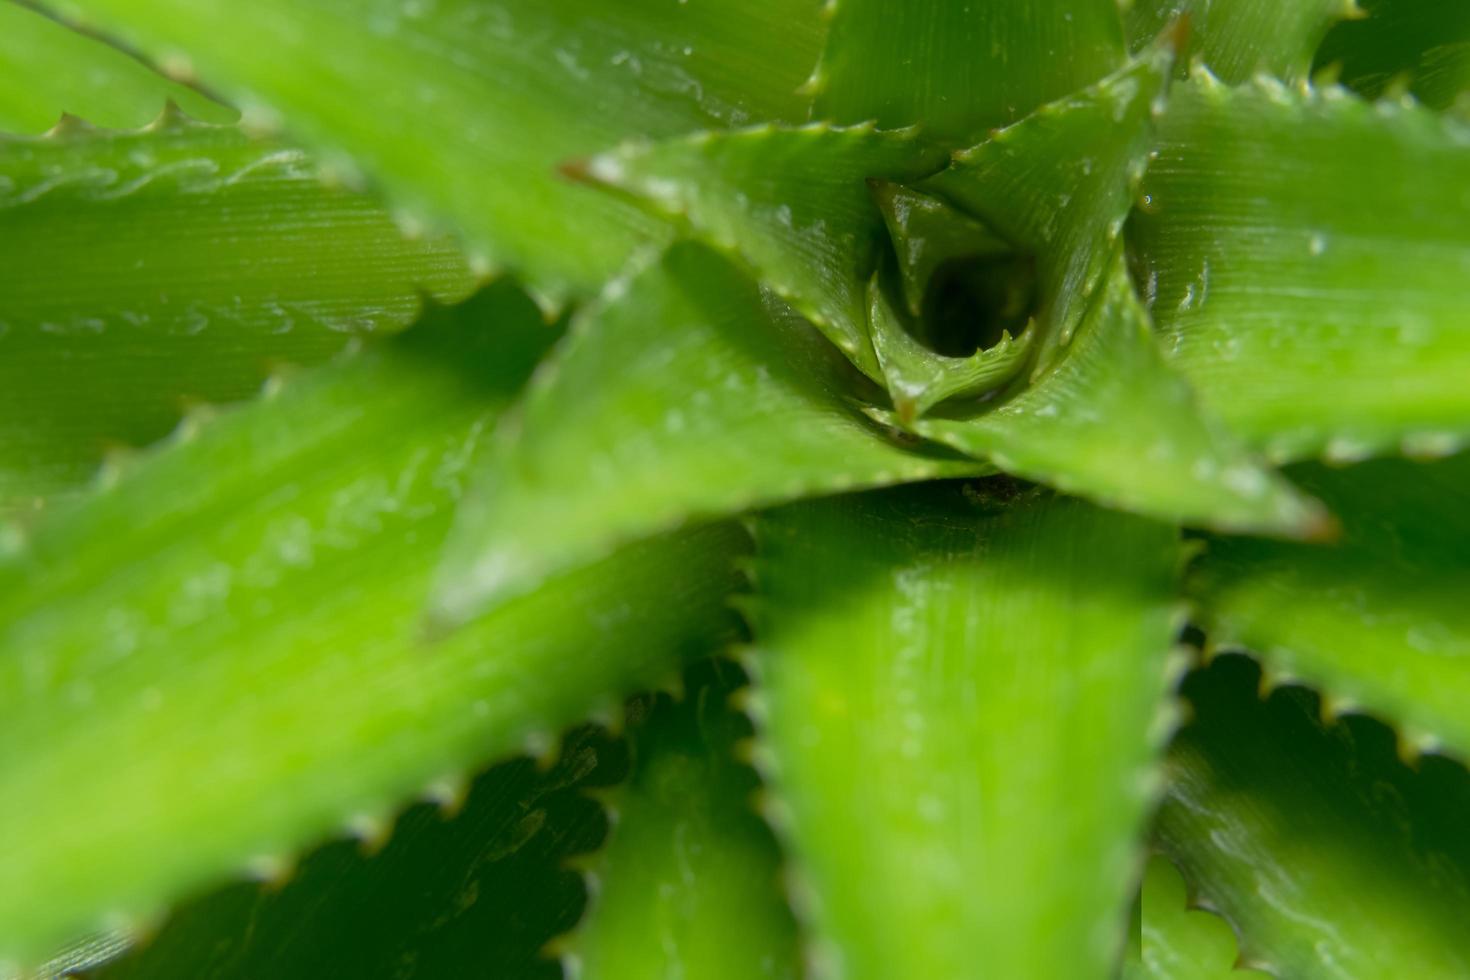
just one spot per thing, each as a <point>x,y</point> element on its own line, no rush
<point>957,691</point>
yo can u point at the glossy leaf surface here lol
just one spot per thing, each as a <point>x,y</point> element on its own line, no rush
<point>251,639</point>
<point>1239,39</point>
<point>502,92</point>
<point>1315,309</point>
<point>722,400</point>
<point>146,271</point>
<point>958,685</point>
<point>1177,942</point>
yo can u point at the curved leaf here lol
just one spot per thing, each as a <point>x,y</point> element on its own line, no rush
<point>145,271</point>
<point>1420,45</point>
<point>1114,424</point>
<point>1330,858</point>
<point>1379,621</point>
<point>1239,39</point>
<point>958,690</point>
<point>222,657</point>
<point>1177,942</point>
<point>722,400</point>
<point>1317,304</point>
<point>688,860</point>
<point>503,93</point>
<point>959,69</point>
<point>49,70</point>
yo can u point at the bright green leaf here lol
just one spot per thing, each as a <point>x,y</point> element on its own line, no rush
<point>792,205</point>
<point>689,885</point>
<point>1329,857</point>
<point>959,69</point>
<point>722,400</point>
<point>1112,423</point>
<point>958,689</point>
<point>243,666</point>
<point>1381,620</point>
<point>1316,304</point>
<point>1239,39</point>
<point>47,70</point>
<point>1059,185</point>
<point>463,109</point>
<point>146,271</point>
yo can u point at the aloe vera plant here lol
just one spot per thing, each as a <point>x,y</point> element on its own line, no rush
<point>734,488</point>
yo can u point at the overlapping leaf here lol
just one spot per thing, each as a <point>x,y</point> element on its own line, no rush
<point>1419,45</point>
<point>689,862</point>
<point>485,100</point>
<point>1112,423</point>
<point>792,205</point>
<point>1317,304</point>
<point>474,893</point>
<point>958,687</point>
<point>686,395</point>
<point>1239,39</point>
<point>51,70</point>
<point>1379,621</point>
<point>223,657</point>
<point>143,271</point>
<point>960,69</point>
<point>1329,856</point>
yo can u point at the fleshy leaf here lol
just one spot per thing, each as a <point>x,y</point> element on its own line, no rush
<point>471,893</point>
<point>958,688</point>
<point>918,378</point>
<point>1059,185</point>
<point>1178,942</point>
<point>144,271</point>
<point>960,69</point>
<point>688,860</point>
<point>1379,621</point>
<point>1328,856</point>
<point>1317,310</point>
<point>1239,39</point>
<point>1113,424</point>
<point>502,92</point>
<point>49,70</point>
<point>928,234</point>
<point>1421,45</point>
<point>243,668</point>
<point>721,400</point>
<point>792,205</point>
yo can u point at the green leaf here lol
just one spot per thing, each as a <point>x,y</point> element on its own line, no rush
<point>1419,45</point>
<point>1113,424</point>
<point>1178,942</point>
<point>49,70</point>
<point>929,234</point>
<point>722,400</point>
<point>1328,856</point>
<point>792,205</point>
<point>1059,185</point>
<point>918,378</point>
<point>1316,304</point>
<point>1380,620</point>
<point>222,657</point>
<point>1240,39</point>
<point>502,93</point>
<point>959,69</point>
<point>688,860</point>
<point>146,271</point>
<point>470,893</point>
<point>958,689</point>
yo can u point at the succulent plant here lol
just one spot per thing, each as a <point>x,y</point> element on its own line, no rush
<point>734,488</point>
